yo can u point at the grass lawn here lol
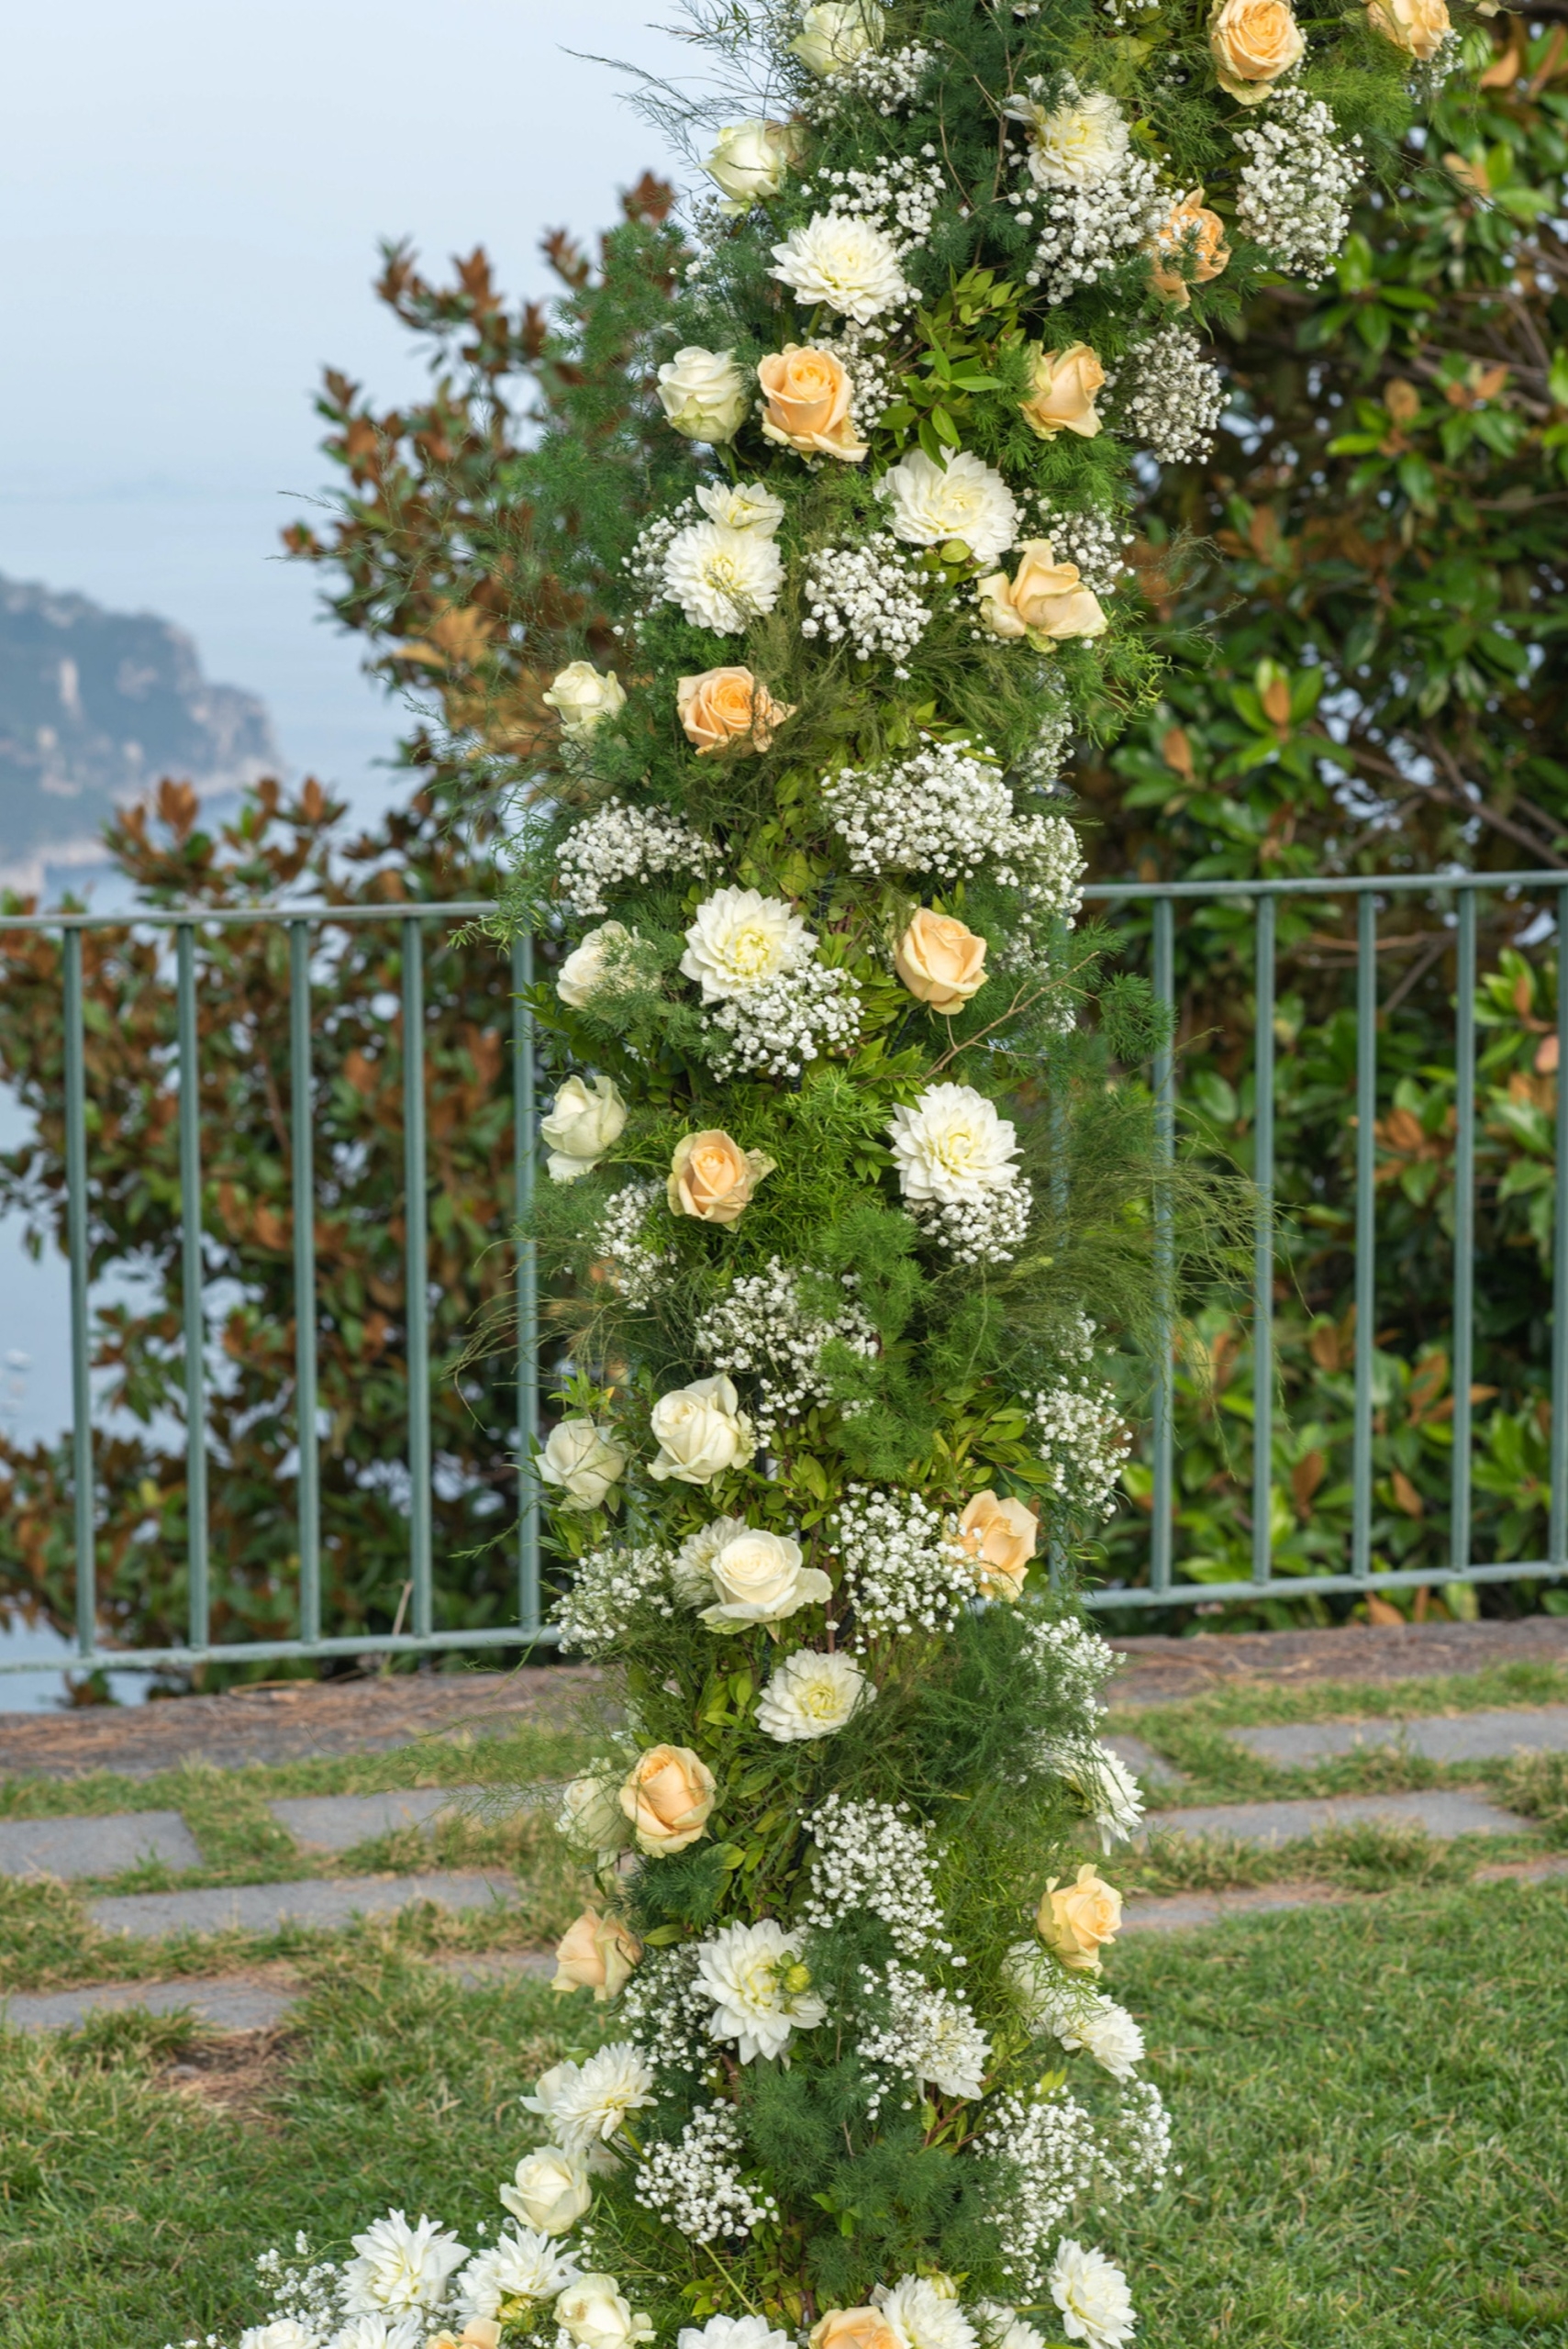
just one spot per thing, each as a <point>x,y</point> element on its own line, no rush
<point>1372,2105</point>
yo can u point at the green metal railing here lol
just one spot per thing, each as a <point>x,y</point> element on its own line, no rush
<point>1164,1586</point>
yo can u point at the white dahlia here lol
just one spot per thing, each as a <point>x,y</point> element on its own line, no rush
<point>585,2103</point>
<point>523,2267</point>
<point>283,2332</point>
<point>924,2311</point>
<point>722,578</point>
<point>1003,2328</point>
<point>951,1147</point>
<point>1092,2294</point>
<point>1110,1792</point>
<point>377,2332</point>
<point>963,498</point>
<point>1108,2034</point>
<point>812,1696</point>
<point>759,1989</point>
<point>846,262</point>
<point>1079,142</point>
<point>400,2267</point>
<point>742,506</point>
<point>741,941</point>
<point>732,2333</point>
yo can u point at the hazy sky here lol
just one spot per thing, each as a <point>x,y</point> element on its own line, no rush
<point>191,194</point>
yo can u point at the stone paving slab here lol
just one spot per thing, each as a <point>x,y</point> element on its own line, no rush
<point>1441,1813</point>
<point>73,1847</point>
<point>1178,1910</point>
<point>1463,1737</point>
<point>224,2006</point>
<point>336,1822</point>
<point>264,1908</point>
<point>1150,1768</point>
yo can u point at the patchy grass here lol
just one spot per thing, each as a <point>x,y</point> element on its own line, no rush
<point>1536,1786</point>
<point>1362,1858</point>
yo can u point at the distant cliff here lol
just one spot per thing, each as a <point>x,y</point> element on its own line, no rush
<point>94,708</point>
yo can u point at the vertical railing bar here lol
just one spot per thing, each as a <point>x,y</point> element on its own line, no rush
<point>524,1079</point>
<point>417,1275</point>
<point>1557,1543</point>
<point>76,1247</point>
<point>1162,1531</point>
<point>1463,1233</point>
<point>1366,1229</point>
<point>1263,1252</point>
<point>304,1202</point>
<point>197,1609</point>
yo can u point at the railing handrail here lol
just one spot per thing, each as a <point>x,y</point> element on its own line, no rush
<point>184,917</point>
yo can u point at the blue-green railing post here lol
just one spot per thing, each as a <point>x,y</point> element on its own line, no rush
<point>1463,1232</point>
<point>1163,1522</point>
<point>1366,1229</point>
<point>1263,1251</point>
<point>1557,1540</point>
<point>523,1084</point>
<point>76,1244</point>
<point>197,1610</point>
<point>419,1275</point>
<point>302,1183</point>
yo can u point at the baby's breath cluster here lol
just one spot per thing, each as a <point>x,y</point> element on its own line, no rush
<point>695,2183</point>
<point>1296,186</point>
<point>903,1568</point>
<point>1173,397</point>
<point>775,1030</point>
<point>760,1328</point>
<point>618,846</point>
<point>871,596</point>
<point>874,1859</point>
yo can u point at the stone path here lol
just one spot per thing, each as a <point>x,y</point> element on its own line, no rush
<point>73,1847</point>
<point>265,1908</point>
<point>1176,1911</point>
<point>1442,1812</point>
<point>234,2004</point>
<point>1163,1672</point>
<point>1461,1737</point>
<point>338,1823</point>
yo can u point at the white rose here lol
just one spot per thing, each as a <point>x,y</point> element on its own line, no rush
<point>738,941</point>
<point>552,2191</point>
<point>582,698</point>
<point>584,974</point>
<point>964,498</point>
<point>1081,142</point>
<point>751,160</point>
<point>742,506</point>
<point>845,261</point>
<point>951,1146</point>
<point>704,394</point>
<point>591,1817</point>
<point>701,1430</point>
<point>584,1460</point>
<point>584,1121</point>
<point>761,1578</point>
<point>595,2314</point>
<point>835,32</point>
<point>811,1696</point>
<point>284,2332</point>
<point>722,579</point>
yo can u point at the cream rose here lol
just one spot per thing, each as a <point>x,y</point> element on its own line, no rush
<point>585,1460</point>
<point>669,1797</point>
<point>597,2316</point>
<point>713,1178</point>
<point>703,394</point>
<point>1418,26</point>
<point>1001,1538</point>
<point>1077,1919</point>
<point>751,160</point>
<point>808,404</point>
<point>855,2328</point>
<point>1187,249</point>
<point>1252,42</point>
<point>591,1817</point>
<point>478,2333</point>
<point>581,697</point>
<point>595,1953</point>
<point>728,707</point>
<point>583,973</point>
<point>939,959</point>
<point>1063,384</point>
<point>835,32</point>
<point>701,1432</point>
<point>551,2191</point>
<point>762,1578</point>
<point>584,1120</point>
<point>1045,600</point>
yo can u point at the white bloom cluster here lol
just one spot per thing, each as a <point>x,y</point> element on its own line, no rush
<point>890,82</point>
<point>923,2312</point>
<point>1099,197</point>
<point>760,1328</point>
<point>515,2275</point>
<point>1040,765</point>
<point>696,2184</point>
<point>1083,1440</point>
<point>870,597</point>
<point>929,2037</point>
<point>900,193</point>
<point>845,262</point>
<point>1145,2160</point>
<point>619,845</point>
<point>1173,397</point>
<point>398,2266</point>
<point>722,578</point>
<point>1103,1782</point>
<point>644,566</point>
<point>904,1566</point>
<point>1090,535</point>
<point>987,1230</point>
<point>946,811</point>
<point>607,1589</point>
<point>619,1238</point>
<point>1075,1663</point>
<point>760,1987</point>
<point>585,2105</point>
<point>1296,186</point>
<point>873,1858</point>
<point>1080,2016</point>
<point>777,1027</point>
<point>1091,2291</point>
<point>1048,2154</point>
<point>667,2012</point>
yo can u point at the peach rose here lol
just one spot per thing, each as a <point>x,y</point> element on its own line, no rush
<point>1076,1921</point>
<point>713,1178</point>
<point>855,2328</point>
<point>1252,42</point>
<point>1001,1538</point>
<point>479,2333</point>
<point>939,959</point>
<point>1062,391</point>
<point>1418,26</point>
<point>668,1797</point>
<point>807,396</point>
<point>1045,598</point>
<point>1187,249</point>
<point>595,1953</point>
<point>725,706</point>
